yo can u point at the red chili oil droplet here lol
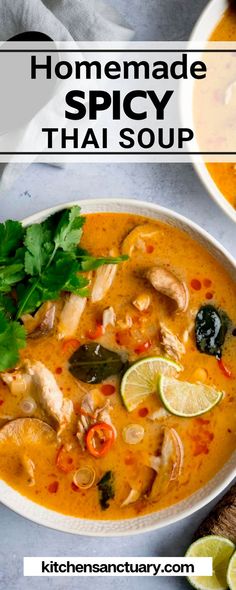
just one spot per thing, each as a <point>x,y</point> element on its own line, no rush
<point>207,283</point>
<point>53,487</point>
<point>108,389</point>
<point>149,249</point>
<point>143,412</point>
<point>1,402</point>
<point>58,371</point>
<point>209,295</point>
<point>196,284</point>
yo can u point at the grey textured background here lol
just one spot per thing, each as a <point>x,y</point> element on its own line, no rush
<point>174,186</point>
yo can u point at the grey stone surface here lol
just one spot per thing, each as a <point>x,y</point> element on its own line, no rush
<point>174,186</point>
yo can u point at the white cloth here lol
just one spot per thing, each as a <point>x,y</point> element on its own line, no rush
<point>62,20</point>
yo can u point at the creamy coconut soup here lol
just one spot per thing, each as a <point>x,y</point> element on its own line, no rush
<point>86,428</point>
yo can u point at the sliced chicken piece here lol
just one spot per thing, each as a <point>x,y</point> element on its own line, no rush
<point>173,347</point>
<point>71,315</point>
<point>170,465</point>
<point>104,278</point>
<point>166,283</point>
<point>50,395</point>
<point>42,323</point>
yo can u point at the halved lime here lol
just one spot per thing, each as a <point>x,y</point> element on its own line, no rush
<point>142,377</point>
<point>187,399</point>
<point>231,573</point>
<point>221,550</point>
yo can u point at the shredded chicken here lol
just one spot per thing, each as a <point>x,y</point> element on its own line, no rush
<point>104,278</point>
<point>166,283</point>
<point>142,302</point>
<point>93,410</point>
<point>50,395</point>
<point>160,414</point>
<point>108,317</point>
<point>171,462</point>
<point>71,315</point>
<point>136,238</point>
<point>42,322</point>
<point>171,343</point>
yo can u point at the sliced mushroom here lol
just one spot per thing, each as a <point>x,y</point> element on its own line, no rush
<point>29,468</point>
<point>27,431</point>
<point>71,315</point>
<point>171,463</point>
<point>137,237</point>
<point>42,322</point>
<point>166,283</point>
<point>171,343</point>
<point>104,278</point>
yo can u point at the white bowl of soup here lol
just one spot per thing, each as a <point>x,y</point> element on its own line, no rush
<point>218,23</point>
<point>73,455</point>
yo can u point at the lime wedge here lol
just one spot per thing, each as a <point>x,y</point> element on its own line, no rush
<point>142,377</point>
<point>231,573</point>
<point>187,399</point>
<point>221,550</point>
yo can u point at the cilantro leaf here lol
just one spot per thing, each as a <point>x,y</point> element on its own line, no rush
<point>38,248</point>
<point>12,339</point>
<point>11,236</point>
<point>69,230</point>
<point>10,275</point>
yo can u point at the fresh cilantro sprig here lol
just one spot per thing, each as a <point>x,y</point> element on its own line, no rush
<point>38,263</point>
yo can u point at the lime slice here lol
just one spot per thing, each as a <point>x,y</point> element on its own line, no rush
<point>142,377</point>
<point>231,573</point>
<point>221,550</point>
<point>187,399</point>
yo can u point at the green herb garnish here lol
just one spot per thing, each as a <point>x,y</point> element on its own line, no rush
<point>106,489</point>
<point>39,262</point>
<point>92,363</point>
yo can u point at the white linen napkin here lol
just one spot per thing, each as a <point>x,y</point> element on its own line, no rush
<point>62,20</point>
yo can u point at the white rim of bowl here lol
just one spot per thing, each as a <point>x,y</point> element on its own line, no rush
<point>110,528</point>
<point>200,167</point>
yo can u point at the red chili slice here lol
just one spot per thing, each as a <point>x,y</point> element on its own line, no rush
<point>104,433</point>
<point>225,370</point>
